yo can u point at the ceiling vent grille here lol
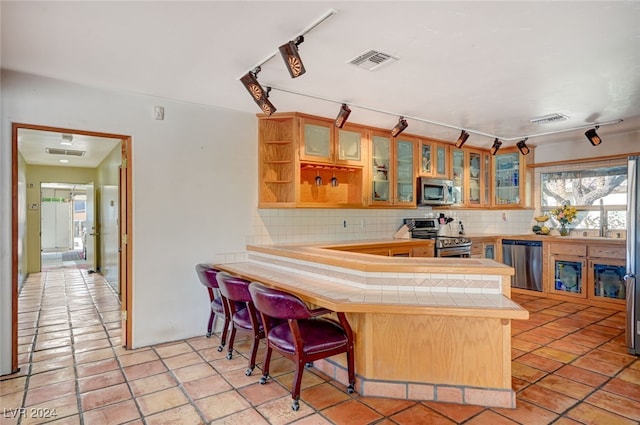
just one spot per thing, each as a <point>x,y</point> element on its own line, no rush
<point>372,60</point>
<point>546,119</point>
<point>67,152</point>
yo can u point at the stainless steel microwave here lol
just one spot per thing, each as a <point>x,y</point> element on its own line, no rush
<point>435,191</point>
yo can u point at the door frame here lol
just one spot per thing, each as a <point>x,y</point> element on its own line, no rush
<point>126,230</point>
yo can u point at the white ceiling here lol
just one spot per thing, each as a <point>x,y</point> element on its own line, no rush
<point>488,67</point>
<point>33,145</point>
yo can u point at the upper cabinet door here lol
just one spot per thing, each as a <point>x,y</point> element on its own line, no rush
<point>441,155</point>
<point>507,183</point>
<point>457,160</point>
<point>381,169</point>
<point>475,178</point>
<point>350,146</point>
<point>427,158</point>
<point>316,141</point>
<point>405,174</point>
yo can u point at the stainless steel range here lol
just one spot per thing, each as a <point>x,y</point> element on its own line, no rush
<point>445,246</point>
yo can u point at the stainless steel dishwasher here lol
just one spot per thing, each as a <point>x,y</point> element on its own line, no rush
<point>526,258</point>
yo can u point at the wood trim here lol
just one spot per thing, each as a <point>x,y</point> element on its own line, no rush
<point>583,160</point>
<point>126,140</point>
<point>126,254</point>
<point>14,248</point>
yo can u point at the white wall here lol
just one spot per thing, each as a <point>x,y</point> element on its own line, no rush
<point>578,147</point>
<point>194,191</point>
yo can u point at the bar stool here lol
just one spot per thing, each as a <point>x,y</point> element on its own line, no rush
<point>219,307</point>
<point>301,335</point>
<point>244,316</point>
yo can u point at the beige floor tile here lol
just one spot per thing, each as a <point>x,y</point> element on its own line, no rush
<point>183,415</point>
<point>152,384</point>
<point>221,405</point>
<point>161,401</point>
<point>117,413</point>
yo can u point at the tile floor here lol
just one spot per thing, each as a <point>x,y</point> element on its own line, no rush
<point>570,366</point>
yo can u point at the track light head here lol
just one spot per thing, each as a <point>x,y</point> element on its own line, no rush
<point>292,60</point>
<point>496,146</point>
<point>343,115</point>
<point>593,136</point>
<point>462,139</point>
<point>400,127</point>
<point>522,146</point>
<point>258,93</point>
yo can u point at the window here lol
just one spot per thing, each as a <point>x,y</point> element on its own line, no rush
<point>599,195</point>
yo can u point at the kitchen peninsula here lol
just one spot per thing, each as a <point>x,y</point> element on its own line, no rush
<point>425,328</point>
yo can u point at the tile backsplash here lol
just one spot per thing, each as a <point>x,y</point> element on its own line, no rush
<point>314,225</point>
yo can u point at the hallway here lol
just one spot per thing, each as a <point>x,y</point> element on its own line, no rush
<point>570,366</point>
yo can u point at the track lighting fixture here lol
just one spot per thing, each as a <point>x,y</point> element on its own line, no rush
<point>593,136</point>
<point>496,145</point>
<point>462,139</point>
<point>343,115</point>
<point>522,146</point>
<point>289,52</point>
<point>400,127</point>
<point>258,93</point>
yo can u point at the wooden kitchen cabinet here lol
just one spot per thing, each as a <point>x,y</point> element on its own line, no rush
<point>512,181</point>
<point>433,159</point>
<point>393,176</point>
<point>322,142</point>
<point>605,275</point>
<point>292,174</point>
<point>404,248</point>
<point>568,275</point>
<point>277,167</point>
<point>470,184</point>
<point>589,273</point>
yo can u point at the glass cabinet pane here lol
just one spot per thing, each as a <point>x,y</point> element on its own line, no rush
<point>458,176</point>
<point>609,281</point>
<point>349,143</point>
<point>474,178</point>
<point>404,167</point>
<point>381,156</point>
<point>317,141</point>
<point>441,160</point>
<point>568,276</point>
<point>427,161</point>
<point>487,179</point>
<point>507,183</point>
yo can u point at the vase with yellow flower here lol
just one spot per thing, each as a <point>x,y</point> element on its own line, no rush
<point>564,214</point>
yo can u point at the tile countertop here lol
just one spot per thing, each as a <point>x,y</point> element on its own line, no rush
<point>322,252</point>
<point>550,238</point>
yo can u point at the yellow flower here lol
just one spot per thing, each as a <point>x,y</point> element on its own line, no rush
<point>565,214</point>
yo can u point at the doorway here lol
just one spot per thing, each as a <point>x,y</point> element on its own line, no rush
<point>27,202</point>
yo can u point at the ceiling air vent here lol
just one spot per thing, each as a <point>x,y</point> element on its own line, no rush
<point>546,119</point>
<point>67,152</point>
<point>372,60</point>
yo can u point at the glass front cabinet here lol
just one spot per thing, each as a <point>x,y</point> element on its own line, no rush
<point>606,273</point>
<point>470,169</point>
<point>322,142</point>
<point>568,274</point>
<point>507,179</point>
<point>393,174</point>
<point>433,159</point>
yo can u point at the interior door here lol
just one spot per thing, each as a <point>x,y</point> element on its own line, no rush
<point>92,232</point>
<point>125,221</point>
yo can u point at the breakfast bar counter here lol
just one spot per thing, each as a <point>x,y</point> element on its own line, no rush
<point>425,328</point>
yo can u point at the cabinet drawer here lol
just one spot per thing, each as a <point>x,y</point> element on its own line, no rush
<point>615,252</point>
<point>422,251</point>
<point>568,249</point>
<point>477,248</point>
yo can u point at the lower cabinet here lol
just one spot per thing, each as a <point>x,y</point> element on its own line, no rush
<point>594,273</point>
<point>568,275</point>
<point>408,249</point>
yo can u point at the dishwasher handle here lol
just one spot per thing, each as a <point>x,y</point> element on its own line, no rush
<point>521,242</point>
